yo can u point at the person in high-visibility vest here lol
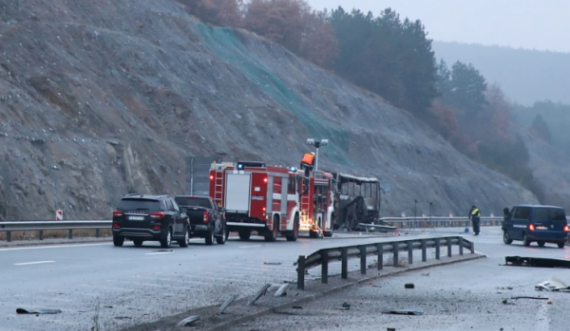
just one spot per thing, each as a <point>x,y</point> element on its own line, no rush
<point>307,163</point>
<point>475,214</point>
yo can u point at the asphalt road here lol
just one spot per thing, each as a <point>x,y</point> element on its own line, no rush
<point>99,285</point>
<point>465,296</point>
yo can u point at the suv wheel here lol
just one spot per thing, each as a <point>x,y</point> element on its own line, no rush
<point>138,242</point>
<point>210,236</point>
<point>540,243</point>
<point>222,239</point>
<point>526,241</point>
<point>118,241</point>
<point>184,241</point>
<point>165,243</point>
<point>506,238</point>
<point>561,244</point>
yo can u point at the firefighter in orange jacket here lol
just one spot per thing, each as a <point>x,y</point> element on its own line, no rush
<point>307,163</point>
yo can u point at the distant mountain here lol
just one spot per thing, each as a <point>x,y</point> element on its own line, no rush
<point>526,76</point>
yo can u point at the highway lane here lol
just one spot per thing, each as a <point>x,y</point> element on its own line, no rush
<point>111,287</point>
<point>465,296</point>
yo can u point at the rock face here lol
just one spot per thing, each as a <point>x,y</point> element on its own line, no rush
<point>102,98</point>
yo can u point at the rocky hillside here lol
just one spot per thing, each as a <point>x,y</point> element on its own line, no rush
<point>98,98</point>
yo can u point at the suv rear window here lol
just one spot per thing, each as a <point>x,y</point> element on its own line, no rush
<point>557,214</point>
<point>188,201</point>
<point>139,204</point>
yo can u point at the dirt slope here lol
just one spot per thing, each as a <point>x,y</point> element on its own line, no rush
<point>98,98</point>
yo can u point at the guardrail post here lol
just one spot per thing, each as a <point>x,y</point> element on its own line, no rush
<point>41,234</point>
<point>344,262</point>
<point>410,253</point>
<point>472,246</point>
<point>449,247</point>
<point>97,233</point>
<point>70,234</point>
<point>424,250</point>
<point>301,272</point>
<point>363,260</point>
<point>460,245</point>
<point>437,248</point>
<point>395,248</point>
<point>380,249</point>
<point>324,266</point>
<point>8,236</point>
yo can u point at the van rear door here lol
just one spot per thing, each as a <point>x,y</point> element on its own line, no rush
<point>557,218</point>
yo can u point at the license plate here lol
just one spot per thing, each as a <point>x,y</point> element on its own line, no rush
<point>542,228</point>
<point>136,218</point>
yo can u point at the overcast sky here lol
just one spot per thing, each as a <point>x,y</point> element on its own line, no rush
<point>530,24</point>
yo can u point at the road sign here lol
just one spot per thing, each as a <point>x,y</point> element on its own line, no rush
<point>59,215</point>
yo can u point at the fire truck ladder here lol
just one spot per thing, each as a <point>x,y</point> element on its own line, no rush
<point>218,183</point>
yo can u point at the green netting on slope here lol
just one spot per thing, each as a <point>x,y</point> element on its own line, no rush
<point>230,49</point>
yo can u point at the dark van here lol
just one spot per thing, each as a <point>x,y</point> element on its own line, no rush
<point>543,224</point>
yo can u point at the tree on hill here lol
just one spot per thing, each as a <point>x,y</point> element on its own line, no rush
<point>216,12</point>
<point>462,87</point>
<point>540,127</point>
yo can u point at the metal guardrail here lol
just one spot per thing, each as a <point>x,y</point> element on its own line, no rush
<point>41,226</point>
<point>395,223</point>
<point>324,256</point>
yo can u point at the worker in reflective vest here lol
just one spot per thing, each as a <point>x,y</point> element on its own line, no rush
<point>307,163</point>
<point>475,214</point>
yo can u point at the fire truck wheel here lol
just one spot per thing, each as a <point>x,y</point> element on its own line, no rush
<point>244,235</point>
<point>271,235</point>
<point>210,236</point>
<point>328,233</point>
<point>292,236</point>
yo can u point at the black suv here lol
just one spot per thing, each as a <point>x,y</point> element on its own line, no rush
<point>207,220</point>
<point>150,218</point>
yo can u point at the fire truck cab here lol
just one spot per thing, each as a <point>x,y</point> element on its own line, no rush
<point>316,203</point>
<point>257,198</point>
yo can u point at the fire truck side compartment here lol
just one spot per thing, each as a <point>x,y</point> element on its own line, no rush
<point>237,193</point>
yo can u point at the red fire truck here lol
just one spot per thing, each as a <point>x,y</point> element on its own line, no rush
<point>257,198</point>
<point>316,203</point>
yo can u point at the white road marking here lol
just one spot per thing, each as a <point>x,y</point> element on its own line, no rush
<point>30,263</point>
<point>50,246</point>
<point>252,246</point>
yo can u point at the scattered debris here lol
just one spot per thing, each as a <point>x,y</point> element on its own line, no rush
<point>553,284</point>
<point>108,307</point>
<point>345,306</point>
<point>258,295</point>
<point>504,288</point>
<point>297,307</point>
<point>187,321</point>
<point>282,291</point>
<point>417,311</point>
<point>391,329</point>
<point>227,303</point>
<point>272,263</point>
<point>426,274</point>
<point>409,285</point>
<point>533,298</point>
<point>122,317</point>
<point>536,262</point>
<point>37,312</point>
<point>507,302</point>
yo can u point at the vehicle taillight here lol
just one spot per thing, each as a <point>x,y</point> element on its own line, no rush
<point>211,177</point>
<point>116,225</point>
<point>156,227</point>
<point>531,227</point>
<point>566,228</point>
<point>118,213</point>
<point>206,217</point>
<point>156,215</point>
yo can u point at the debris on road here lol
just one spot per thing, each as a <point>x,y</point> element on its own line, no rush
<point>187,321</point>
<point>553,284</point>
<point>532,298</point>
<point>297,307</point>
<point>227,303</point>
<point>426,274</point>
<point>409,285</point>
<point>536,262</point>
<point>258,295</point>
<point>37,312</point>
<point>417,311</point>
<point>504,288</point>
<point>345,306</point>
<point>272,263</point>
<point>282,291</point>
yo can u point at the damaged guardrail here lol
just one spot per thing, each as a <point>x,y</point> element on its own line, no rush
<point>325,256</point>
<point>41,226</point>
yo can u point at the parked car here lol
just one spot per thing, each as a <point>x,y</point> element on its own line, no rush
<point>143,218</point>
<point>207,220</point>
<point>536,223</point>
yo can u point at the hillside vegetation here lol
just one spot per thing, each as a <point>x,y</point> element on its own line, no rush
<point>98,99</point>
